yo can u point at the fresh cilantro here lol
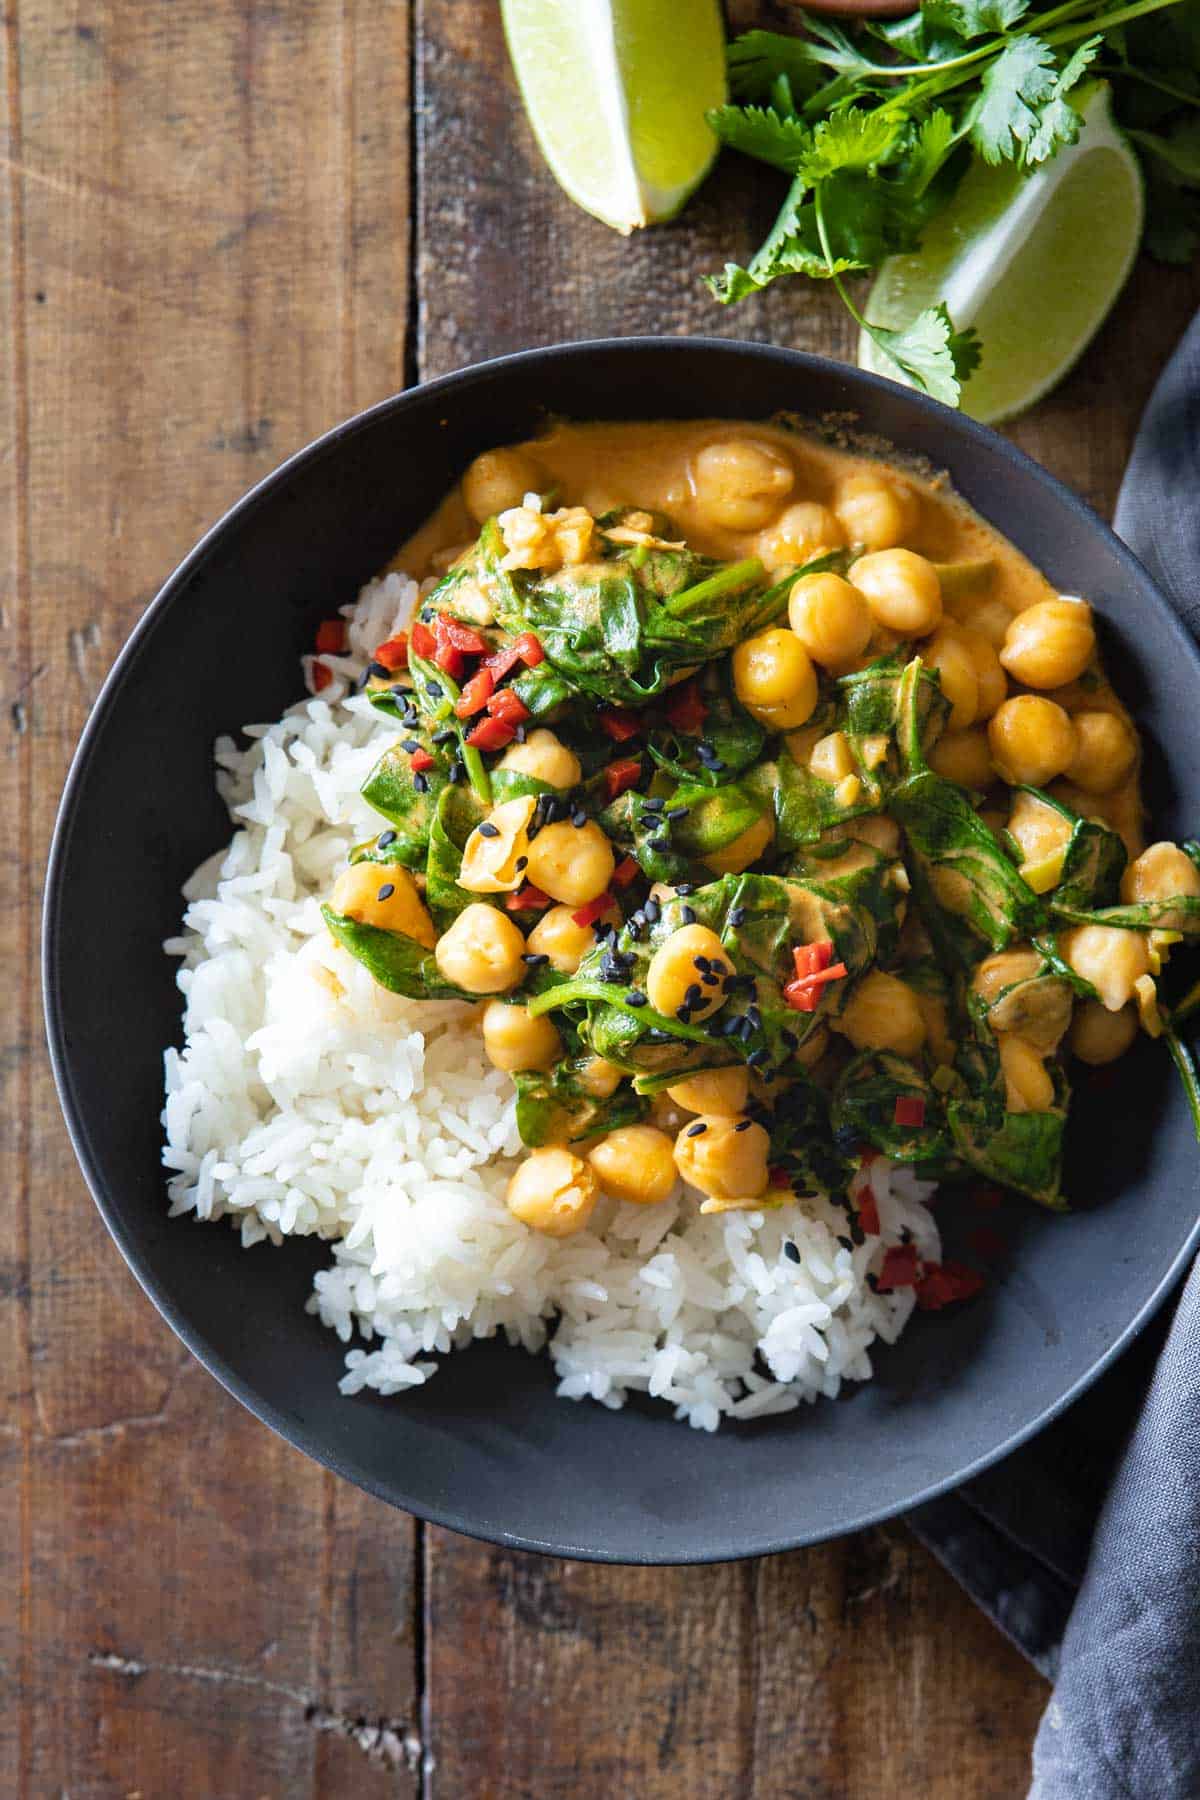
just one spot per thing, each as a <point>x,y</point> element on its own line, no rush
<point>876,123</point>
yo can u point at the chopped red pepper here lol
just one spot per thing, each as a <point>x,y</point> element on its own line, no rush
<point>459,636</point>
<point>476,694</point>
<point>620,776</point>
<point>778,1177</point>
<point>618,724</point>
<point>595,909</point>
<point>331,637</point>
<point>944,1283</point>
<point>868,1212</point>
<point>423,641</point>
<point>909,1110</point>
<point>803,993</point>
<point>420,760</point>
<point>901,1268</point>
<point>624,873</point>
<point>867,1154</point>
<point>528,648</point>
<point>394,653</point>
<point>321,677</point>
<point>686,708</point>
<point>452,662</point>
<point>509,707</point>
<point>527,899</point>
<point>491,734</point>
<point>502,660</point>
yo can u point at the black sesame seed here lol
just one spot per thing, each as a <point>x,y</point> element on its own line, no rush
<point>652,911</point>
<point>660,843</point>
<point>685,887</point>
<point>677,812</point>
<point>434,689</point>
<point>757,1058</point>
<point>411,745</point>
<point>697,1130</point>
<point>709,979</point>
<point>701,963</point>
<point>635,930</point>
<point>638,918</point>
<point>845,1243</point>
<point>693,996</point>
<point>737,916</point>
<point>488,830</point>
<point>873,1283</point>
<point>579,818</point>
<point>790,1039</point>
<point>687,914</point>
<point>652,804</point>
<point>857,1234</point>
<point>743,1124</point>
<point>446,736</point>
<point>385,838</point>
<point>420,783</point>
<point>522,862</point>
<point>455,771</point>
<point>791,1251</point>
<point>634,998</point>
<point>377,671</point>
<point>683,1013</point>
<point>535,958</point>
<point>386,891</point>
<point>519,735</point>
<point>399,693</point>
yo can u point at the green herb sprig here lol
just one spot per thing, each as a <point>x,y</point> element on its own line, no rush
<point>876,124</point>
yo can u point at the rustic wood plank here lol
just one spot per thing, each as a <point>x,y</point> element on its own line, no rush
<point>205,242</point>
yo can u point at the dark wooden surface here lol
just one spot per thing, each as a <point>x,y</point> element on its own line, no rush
<point>227,224</point>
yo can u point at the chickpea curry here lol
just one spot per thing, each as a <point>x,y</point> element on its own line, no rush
<point>761,791</point>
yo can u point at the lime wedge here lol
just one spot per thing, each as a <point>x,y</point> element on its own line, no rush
<point>1034,262</point>
<point>617,92</point>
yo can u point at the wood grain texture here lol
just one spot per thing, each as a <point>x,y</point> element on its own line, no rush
<point>205,243</point>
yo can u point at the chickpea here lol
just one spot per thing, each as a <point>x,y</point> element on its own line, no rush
<point>1038,828</point>
<point>745,849</point>
<point>514,1040</point>
<point>493,850</point>
<point>1050,644</point>
<point>801,531</point>
<point>774,671</point>
<point>385,896</point>
<point>553,1191</point>
<point>721,1091</point>
<point>481,951</point>
<point>499,479</point>
<point>832,758</point>
<point>1002,970</point>
<point>1032,740</point>
<point>1026,1077</point>
<point>1105,752</point>
<point>599,1079</point>
<point>877,830</point>
<point>902,590</point>
<point>740,483</point>
<point>675,972</point>
<point>873,512</point>
<point>988,616</point>
<point>991,681</point>
<point>946,652</point>
<point>831,619</point>
<point>721,1160</point>
<point>1161,872</point>
<point>543,758</point>
<point>1099,1036</point>
<point>635,1162</point>
<point>557,936</point>
<point>963,756</point>
<point>1111,959</point>
<point>570,864</point>
<point>882,1013</point>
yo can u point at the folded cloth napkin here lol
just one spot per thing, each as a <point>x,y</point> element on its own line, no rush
<point>1084,1546</point>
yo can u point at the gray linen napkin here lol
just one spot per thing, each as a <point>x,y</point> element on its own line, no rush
<point>1109,1606</point>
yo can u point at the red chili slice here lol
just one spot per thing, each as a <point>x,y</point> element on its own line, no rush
<point>452,662</point>
<point>804,993</point>
<point>331,637</point>
<point>686,708</point>
<point>459,636</point>
<point>420,761</point>
<point>423,641</point>
<point>508,706</point>
<point>619,777</point>
<point>394,653</point>
<point>502,660</point>
<point>868,1212</point>
<point>528,648</point>
<point>909,1110</point>
<point>624,873</point>
<point>944,1283</point>
<point>595,909</point>
<point>527,899</point>
<point>476,694</point>
<point>321,677</point>
<point>901,1268</point>
<point>491,734</point>
<point>618,724</point>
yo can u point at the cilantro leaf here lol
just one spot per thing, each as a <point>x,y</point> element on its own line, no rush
<point>854,139</point>
<point>757,58</point>
<point>1012,92</point>
<point>972,18</point>
<point>934,356</point>
<point>760,132</point>
<point>1059,122</point>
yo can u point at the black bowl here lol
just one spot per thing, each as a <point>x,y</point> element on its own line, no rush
<point>485,1447</point>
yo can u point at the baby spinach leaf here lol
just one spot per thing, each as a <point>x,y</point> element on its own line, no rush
<point>864,1103</point>
<point>396,962</point>
<point>647,838</point>
<point>390,789</point>
<point>716,816</point>
<point>1179,914</point>
<point>554,1108</point>
<point>803,1143</point>
<point>1093,863</point>
<point>733,739</point>
<point>455,817</point>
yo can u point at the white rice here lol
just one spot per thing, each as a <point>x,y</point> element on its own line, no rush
<point>378,1124</point>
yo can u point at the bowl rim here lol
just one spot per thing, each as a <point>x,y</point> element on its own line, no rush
<point>294,1432</point>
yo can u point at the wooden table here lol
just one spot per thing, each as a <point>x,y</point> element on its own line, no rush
<point>229,223</point>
